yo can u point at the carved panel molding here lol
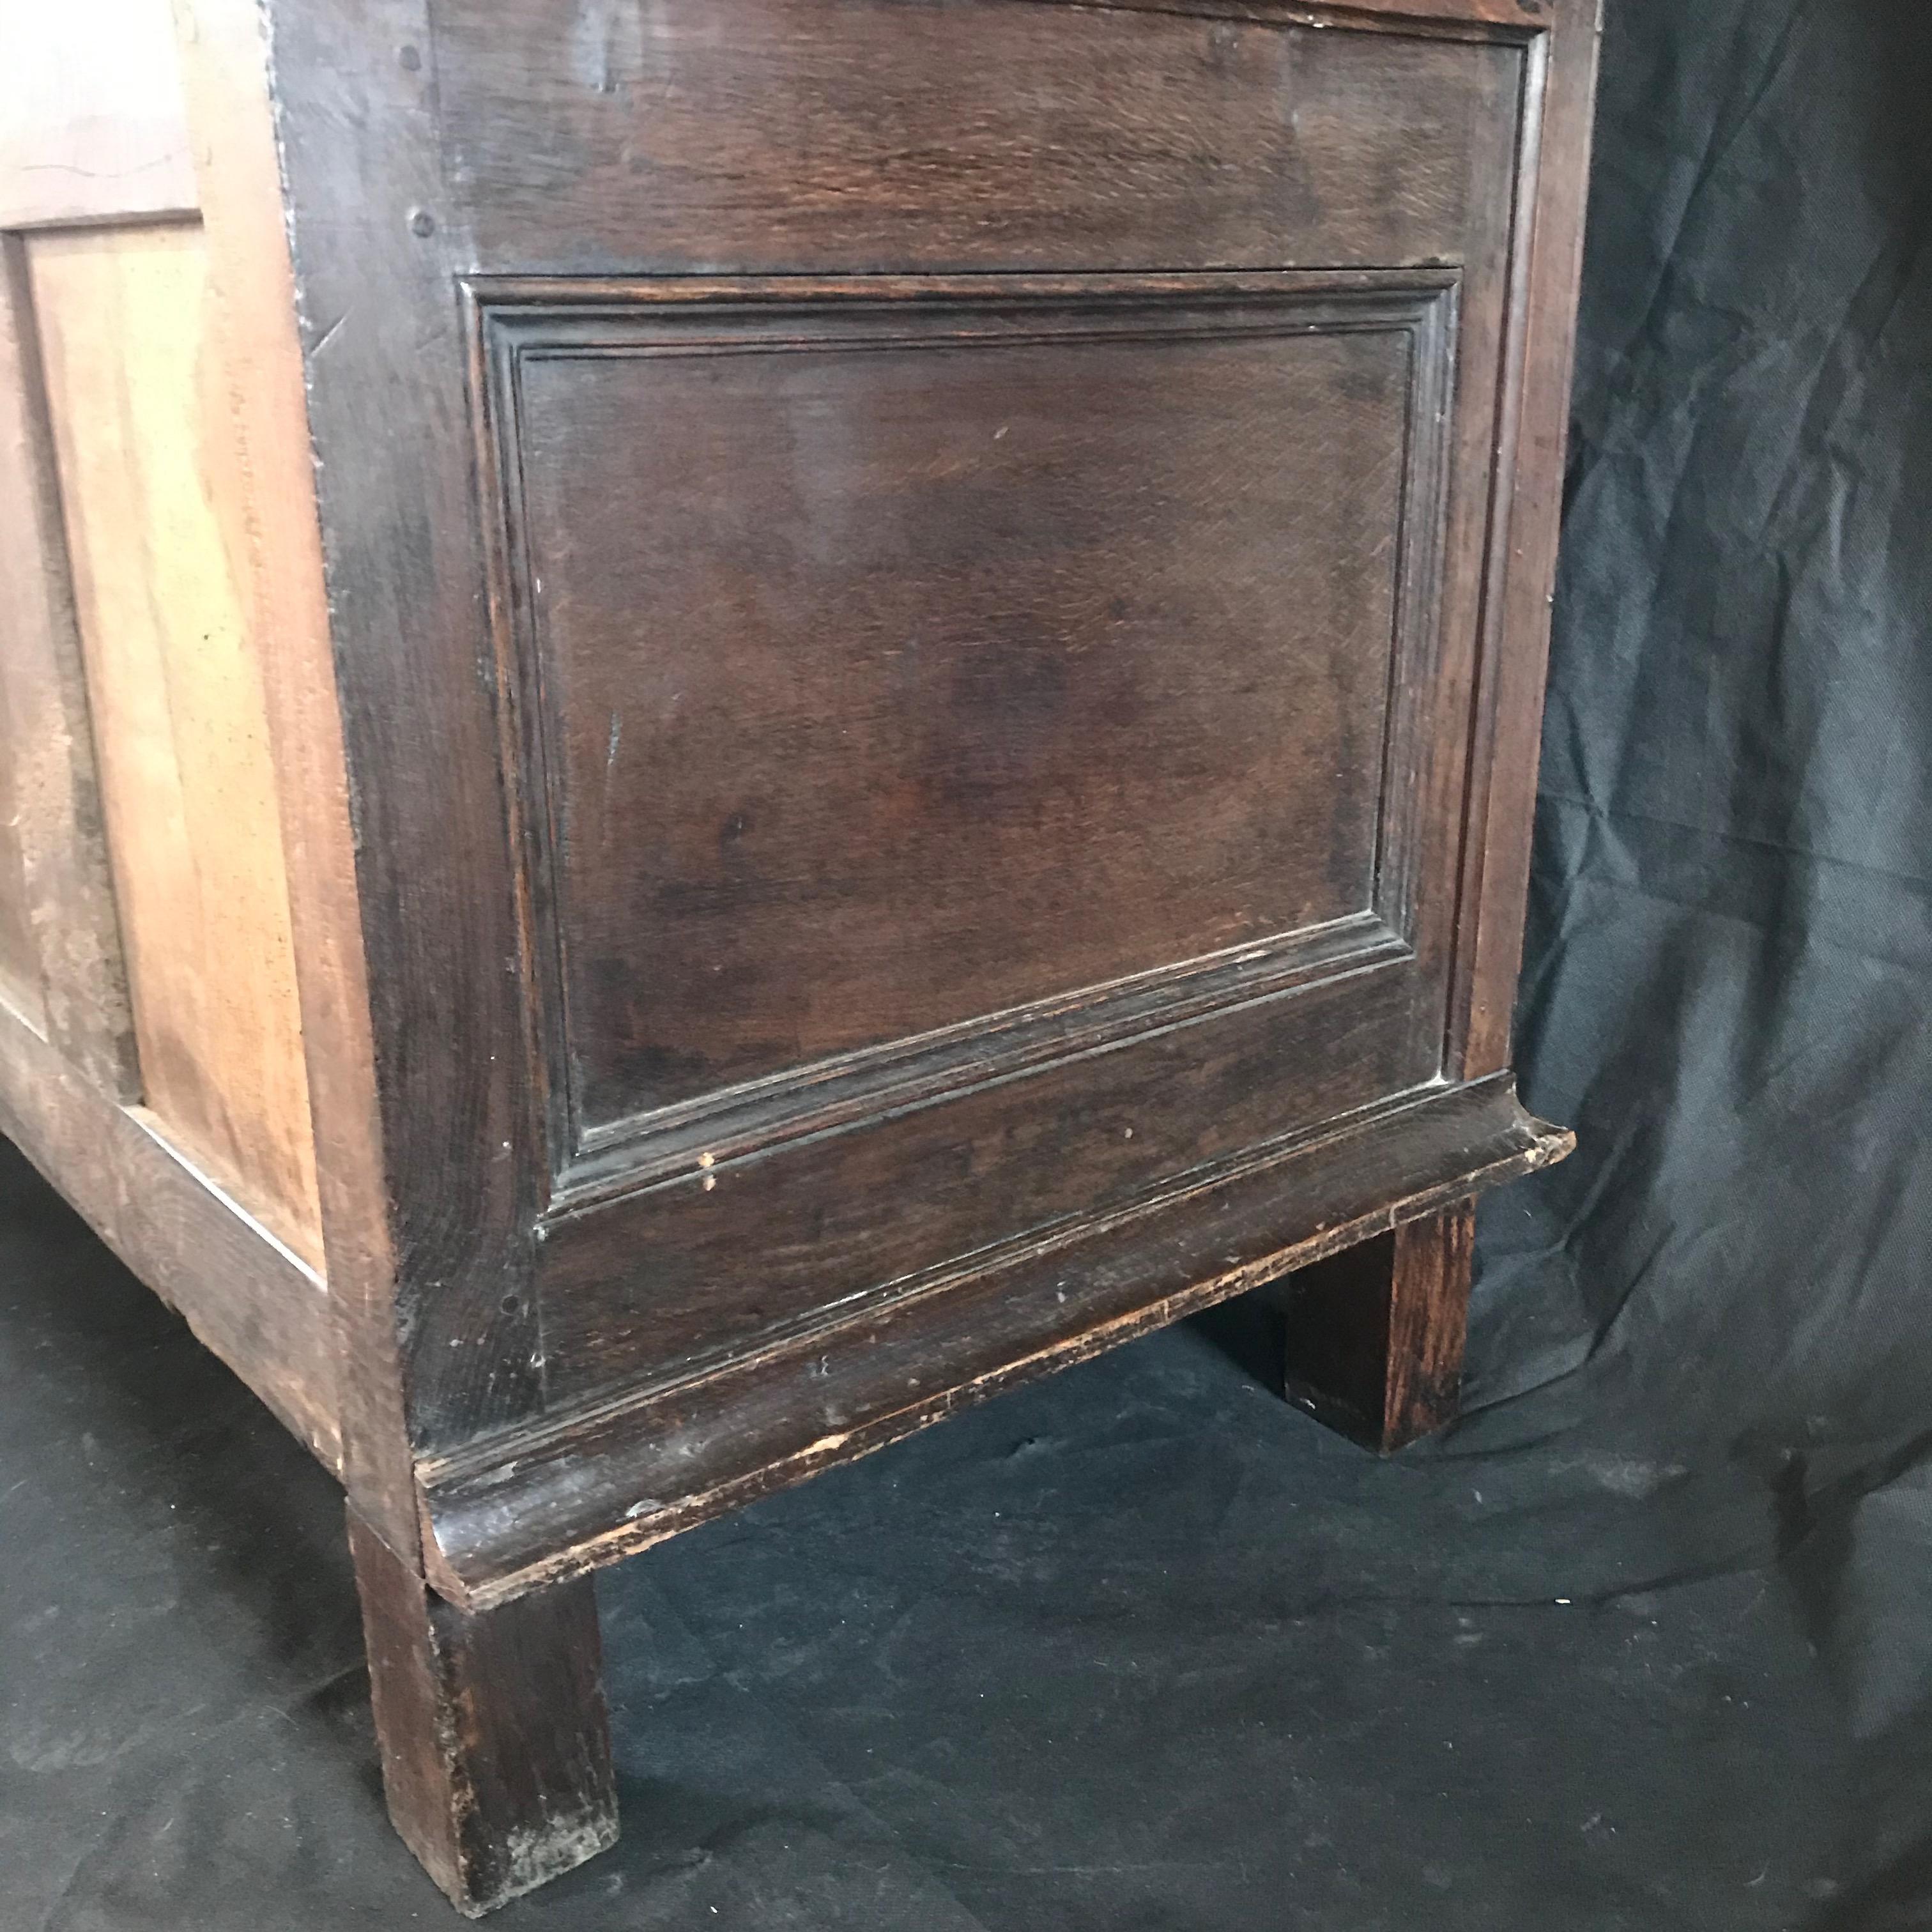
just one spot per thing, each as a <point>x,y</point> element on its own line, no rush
<point>1256,406</point>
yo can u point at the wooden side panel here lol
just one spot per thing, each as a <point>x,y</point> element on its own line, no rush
<point>514,152</point>
<point>187,788</point>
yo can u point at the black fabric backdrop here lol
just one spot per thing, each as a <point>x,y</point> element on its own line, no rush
<point>1643,1642</point>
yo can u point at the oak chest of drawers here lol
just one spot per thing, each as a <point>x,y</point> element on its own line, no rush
<point>726,720</point>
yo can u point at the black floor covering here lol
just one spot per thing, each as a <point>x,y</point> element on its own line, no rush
<point>1140,1647</point>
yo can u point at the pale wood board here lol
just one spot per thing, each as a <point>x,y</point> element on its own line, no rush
<point>92,127</point>
<point>78,998</point>
<point>19,957</point>
<point>156,539</point>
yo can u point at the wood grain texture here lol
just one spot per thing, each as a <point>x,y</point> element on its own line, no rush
<point>941,555</point>
<point>1486,20</point>
<point>19,954</point>
<point>1046,136</point>
<point>1506,20</point>
<point>1373,1335</point>
<point>19,951</point>
<point>1410,141</point>
<point>495,1742</point>
<point>262,431</point>
<point>175,694</point>
<point>255,1303</point>
<point>563,140</point>
<point>525,324</point>
<point>603,1479</point>
<point>728,1256</point>
<point>93,129</point>
<point>71,951</point>
<point>1528,517</point>
<point>388,407</point>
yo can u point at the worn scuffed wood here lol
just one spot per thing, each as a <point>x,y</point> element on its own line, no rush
<point>911,756</point>
<point>263,434</point>
<point>1408,144</point>
<point>1509,715</point>
<point>604,1480</point>
<point>496,1745</point>
<point>175,690</point>
<point>1374,1335</point>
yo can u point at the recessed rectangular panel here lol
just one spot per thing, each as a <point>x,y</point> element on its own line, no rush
<point>895,666</point>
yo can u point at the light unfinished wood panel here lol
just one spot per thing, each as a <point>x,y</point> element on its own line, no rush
<point>78,995</point>
<point>92,127</point>
<point>157,529</point>
<point>19,957</point>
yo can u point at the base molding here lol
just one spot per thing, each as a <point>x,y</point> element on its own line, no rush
<point>589,1486</point>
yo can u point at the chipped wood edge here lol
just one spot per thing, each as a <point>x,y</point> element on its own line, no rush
<point>1547,1145</point>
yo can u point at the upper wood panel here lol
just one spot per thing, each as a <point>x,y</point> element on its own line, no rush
<point>92,128</point>
<point>156,539</point>
<point>766,135</point>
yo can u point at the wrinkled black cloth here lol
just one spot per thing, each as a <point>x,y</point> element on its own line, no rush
<point>1644,1642</point>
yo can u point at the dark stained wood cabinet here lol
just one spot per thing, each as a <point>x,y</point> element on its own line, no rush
<point>894,651</point>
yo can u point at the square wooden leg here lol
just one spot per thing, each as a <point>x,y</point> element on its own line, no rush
<point>496,1744</point>
<point>1374,1335</point>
